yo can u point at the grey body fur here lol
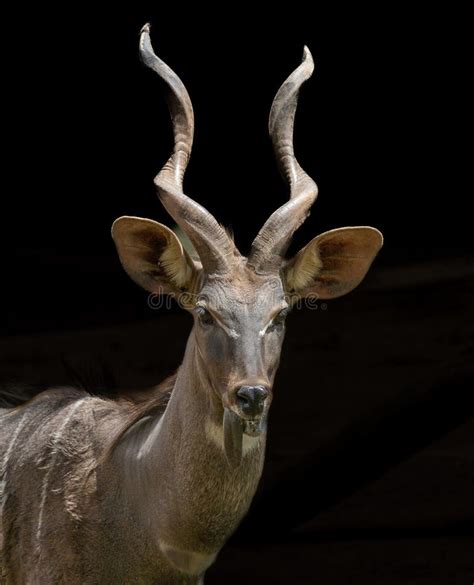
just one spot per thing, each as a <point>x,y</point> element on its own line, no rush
<point>67,519</point>
<point>95,492</point>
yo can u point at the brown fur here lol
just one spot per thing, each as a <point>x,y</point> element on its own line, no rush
<point>101,492</point>
<point>153,403</point>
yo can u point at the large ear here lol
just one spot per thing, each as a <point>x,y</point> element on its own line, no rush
<point>333,263</point>
<point>153,256</point>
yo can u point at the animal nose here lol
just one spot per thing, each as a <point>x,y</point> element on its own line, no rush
<point>251,399</point>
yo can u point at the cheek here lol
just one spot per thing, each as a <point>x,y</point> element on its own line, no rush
<point>272,351</point>
<point>215,348</point>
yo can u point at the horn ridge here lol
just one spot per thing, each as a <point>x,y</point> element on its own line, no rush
<point>211,241</point>
<point>271,243</point>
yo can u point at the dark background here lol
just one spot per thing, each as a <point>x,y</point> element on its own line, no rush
<point>369,475</point>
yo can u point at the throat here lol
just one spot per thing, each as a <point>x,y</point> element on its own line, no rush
<point>191,500</point>
<point>189,562</point>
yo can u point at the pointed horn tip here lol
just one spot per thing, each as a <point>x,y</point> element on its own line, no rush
<point>308,59</point>
<point>145,29</point>
<point>145,47</point>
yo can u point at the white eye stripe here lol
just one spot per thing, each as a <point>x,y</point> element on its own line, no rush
<point>202,309</point>
<point>262,332</point>
<point>231,332</point>
<point>283,313</point>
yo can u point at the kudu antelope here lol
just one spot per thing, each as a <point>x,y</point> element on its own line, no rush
<point>97,491</point>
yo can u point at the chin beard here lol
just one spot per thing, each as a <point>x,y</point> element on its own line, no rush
<point>254,428</point>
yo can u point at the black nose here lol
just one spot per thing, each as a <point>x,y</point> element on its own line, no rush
<point>251,399</point>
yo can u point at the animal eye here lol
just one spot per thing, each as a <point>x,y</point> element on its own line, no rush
<point>279,320</point>
<point>205,318</point>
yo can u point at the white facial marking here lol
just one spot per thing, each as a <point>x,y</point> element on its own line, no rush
<point>215,434</point>
<point>263,331</point>
<point>231,332</point>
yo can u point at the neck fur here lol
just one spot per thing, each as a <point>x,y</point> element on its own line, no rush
<point>177,476</point>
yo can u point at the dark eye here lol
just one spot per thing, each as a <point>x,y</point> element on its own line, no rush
<point>279,320</point>
<point>205,318</point>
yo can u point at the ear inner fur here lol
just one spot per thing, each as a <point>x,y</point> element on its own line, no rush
<point>333,263</point>
<point>152,255</point>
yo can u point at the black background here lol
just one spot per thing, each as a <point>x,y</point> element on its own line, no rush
<point>381,126</point>
<point>85,129</point>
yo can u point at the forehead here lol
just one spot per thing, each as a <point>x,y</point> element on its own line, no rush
<point>242,290</point>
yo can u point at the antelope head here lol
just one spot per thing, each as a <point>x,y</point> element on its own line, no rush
<point>239,303</point>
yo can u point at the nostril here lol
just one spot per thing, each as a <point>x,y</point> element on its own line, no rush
<point>251,399</point>
<point>243,397</point>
